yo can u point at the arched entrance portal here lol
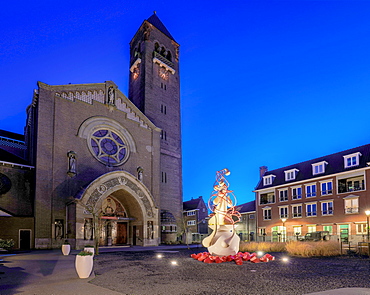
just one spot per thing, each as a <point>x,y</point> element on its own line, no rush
<point>120,209</point>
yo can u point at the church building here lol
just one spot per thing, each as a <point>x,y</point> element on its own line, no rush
<point>95,163</point>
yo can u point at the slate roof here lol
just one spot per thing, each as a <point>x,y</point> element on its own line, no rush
<point>192,204</point>
<point>246,207</point>
<point>155,21</point>
<point>11,158</point>
<point>11,135</point>
<point>335,165</point>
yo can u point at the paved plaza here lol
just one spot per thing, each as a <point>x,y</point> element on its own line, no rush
<point>171,270</point>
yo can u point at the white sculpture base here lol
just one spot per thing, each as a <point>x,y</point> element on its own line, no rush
<point>224,242</point>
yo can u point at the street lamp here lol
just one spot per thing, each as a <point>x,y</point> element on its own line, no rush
<point>283,236</point>
<point>367,212</point>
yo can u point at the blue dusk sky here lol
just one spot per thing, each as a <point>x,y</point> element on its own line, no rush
<point>262,82</point>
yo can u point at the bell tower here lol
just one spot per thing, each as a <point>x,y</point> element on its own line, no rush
<point>154,87</point>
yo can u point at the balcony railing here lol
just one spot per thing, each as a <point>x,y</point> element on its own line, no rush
<point>345,186</point>
<point>163,59</point>
<point>351,210</point>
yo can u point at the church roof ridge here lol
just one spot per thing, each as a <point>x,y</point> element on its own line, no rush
<point>155,21</point>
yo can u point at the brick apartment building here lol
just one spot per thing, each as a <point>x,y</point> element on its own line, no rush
<point>195,220</point>
<point>330,193</point>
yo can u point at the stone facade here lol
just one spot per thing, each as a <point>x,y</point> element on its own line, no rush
<point>154,87</point>
<point>97,164</point>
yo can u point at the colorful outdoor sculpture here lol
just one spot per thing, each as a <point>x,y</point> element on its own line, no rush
<point>223,241</point>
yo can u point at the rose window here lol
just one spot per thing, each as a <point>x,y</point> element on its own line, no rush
<point>108,147</point>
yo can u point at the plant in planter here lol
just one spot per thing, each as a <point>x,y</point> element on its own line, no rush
<point>6,244</point>
<point>66,248</point>
<point>84,264</point>
<point>89,248</point>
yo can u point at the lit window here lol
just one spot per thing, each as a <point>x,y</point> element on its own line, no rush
<point>311,210</point>
<point>297,230</point>
<point>290,174</point>
<point>361,229</point>
<point>326,188</point>
<point>351,205</point>
<point>283,195</point>
<point>296,211</point>
<point>268,179</point>
<point>352,160</point>
<point>319,168</point>
<point>108,147</point>
<point>310,190</point>
<point>328,228</point>
<point>296,193</point>
<point>311,228</point>
<point>327,208</point>
<point>267,198</point>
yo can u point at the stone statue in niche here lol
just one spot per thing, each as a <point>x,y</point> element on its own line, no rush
<point>71,163</point>
<point>58,229</point>
<point>111,98</point>
<point>88,229</point>
<point>150,230</point>
<point>140,173</point>
<point>109,206</point>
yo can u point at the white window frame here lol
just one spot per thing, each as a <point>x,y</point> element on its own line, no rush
<point>268,179</point>
<point>363,226</point>
<point>332,207</point>
<point>291,174</point>
<point>190,213</point>
<point>191,222</point>
<point>331,228</point>
<point>352,209</point>
<point>315,212</point>
<point>296,196</point>
<point>297,229</point>
<point>264,215</point>
<point>321,189</point>
<point>286,214</point>
<point>311,228</point>
<point>318,168</point>
<point>352,157</point>
<point>284,192</point>
<point>311,194</point>
<point>296,206</point>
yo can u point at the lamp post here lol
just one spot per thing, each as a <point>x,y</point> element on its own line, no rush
<point>367,212</point>
<point>283,236</point>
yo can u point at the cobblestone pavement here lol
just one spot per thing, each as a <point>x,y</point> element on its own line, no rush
<point>177,273</point>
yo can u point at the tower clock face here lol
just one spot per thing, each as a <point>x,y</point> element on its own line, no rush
<point>136,73</point>
<point>163,73</point>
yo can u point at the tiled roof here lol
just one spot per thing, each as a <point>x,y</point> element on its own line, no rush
<point>192,204</point>
<point>155,21</point>
<point>11,135</point>
<point>246,207</point>
<point>335,164</point>
<point>5,156</point>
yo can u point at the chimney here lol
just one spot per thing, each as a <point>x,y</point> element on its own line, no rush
<point>263,170</point>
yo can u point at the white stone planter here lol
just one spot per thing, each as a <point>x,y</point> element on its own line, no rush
<point>66,249</point>
<point>90,249</point>
<point>84,265</point>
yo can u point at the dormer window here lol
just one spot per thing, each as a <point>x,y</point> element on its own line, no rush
<point>319,168</point>
<point>291,174</point>
<point>268,179</point>
<point>352,160</point>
